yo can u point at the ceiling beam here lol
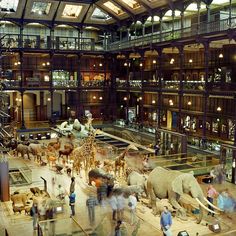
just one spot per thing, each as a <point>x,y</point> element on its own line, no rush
<point>23,12</point>
<point>108,12</point>
<point>149,9</point>
<point>55,14</point>
<point>124,9</point>
<point>86,13</point>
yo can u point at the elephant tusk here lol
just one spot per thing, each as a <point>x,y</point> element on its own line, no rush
<point>212,205</point>
<point>202,205</point>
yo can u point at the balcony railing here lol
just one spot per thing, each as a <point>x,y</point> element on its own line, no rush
<point>58,43</point>
<point>193,30</point>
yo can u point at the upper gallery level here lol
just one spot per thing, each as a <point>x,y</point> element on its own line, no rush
<point>111,25</point>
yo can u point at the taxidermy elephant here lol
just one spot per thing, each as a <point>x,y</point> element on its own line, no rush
<point>22,149</point>
<point>134,178</point>
<point>171,184</point>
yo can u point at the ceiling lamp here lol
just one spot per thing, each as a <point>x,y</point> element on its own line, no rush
<point>125,98</point>
<point>189,103</point>
<point>154,62</point>
<point>218,109</point>
<point>100,64</point>
<point>172,60</point>
<point>190,61</point>
<point>221,55</point>
<point>171,102</point>
<point>100,98</point>
<point>141,64</point>
<point>125,64</point>
<point>94,97</point>
<point>153,101</point>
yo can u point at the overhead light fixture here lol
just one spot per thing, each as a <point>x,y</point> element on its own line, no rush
<point>48,63</point>
<point>94,97</point>
<point>125,98</point>
<point>218,109</point>
<point>49,99</point>
<point>141,64</point>
<point>100,64</point>
<point>189,103</point>
<point>154,62</point>
<point>172,60</point>
<point>140,98</point>
<point>100,98</point>
<point>171,102</point>
<point>221,55</point>
<point>125,64</point>
<point>43,64</point>
<point>190,61</point>
<point>153,101</point>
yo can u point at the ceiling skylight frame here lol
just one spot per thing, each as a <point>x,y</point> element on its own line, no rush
<point>114,8</point>
<point>41,8</point>
<point>9,6</point>
<point>131,3</point>
<point>72,11</point>
<point>103,15</point>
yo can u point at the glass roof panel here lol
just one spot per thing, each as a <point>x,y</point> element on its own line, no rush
<point>131,3</point>
<point>169,13</point>
<point>219,1</point>
<point>193,7</point>
<point>98,14</point>
<point>8,5</point>
<point>113,8</point>
<point>41,8</point>
<point>71,11</point>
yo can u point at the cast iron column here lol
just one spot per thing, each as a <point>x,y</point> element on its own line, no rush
<point>112,90</point>
<point>141,66</point>
<point>79,109</point>
<point>181,80</point>
<point>22,91</point>
<point>127,91</point>
<point>53,119</point>
<point>206,94</point>
<point>159,79</point>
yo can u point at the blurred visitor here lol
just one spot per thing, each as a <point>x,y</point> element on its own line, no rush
<point>166,222</point>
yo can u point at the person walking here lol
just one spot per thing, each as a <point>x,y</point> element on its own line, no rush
<point>120,206</point>
<point>34,213</point>
<point>72,203</point>
<point>166,222</point>
<point>50,214</point>
<point>132,204</point>
<point>113,203</point>
<point>72,185</point>
<point>211,194</point>
<point>91,203</point>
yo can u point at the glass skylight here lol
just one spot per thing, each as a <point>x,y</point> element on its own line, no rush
<point>169,13</point>
<point>71,11</point>
<point>8,5</point>
<point>100,15</point>
<point>193,7</point>
<point>113,8</point>
<point>155,18</point>
<point>131,3</point>
<point>218,2</point>
<point>41,8</point>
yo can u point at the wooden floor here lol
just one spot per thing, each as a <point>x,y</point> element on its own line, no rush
<point>21,225</point>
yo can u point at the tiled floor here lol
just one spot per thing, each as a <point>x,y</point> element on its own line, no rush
<point>19,225</point>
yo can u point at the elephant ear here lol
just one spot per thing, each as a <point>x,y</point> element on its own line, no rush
<point>177,184</point>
